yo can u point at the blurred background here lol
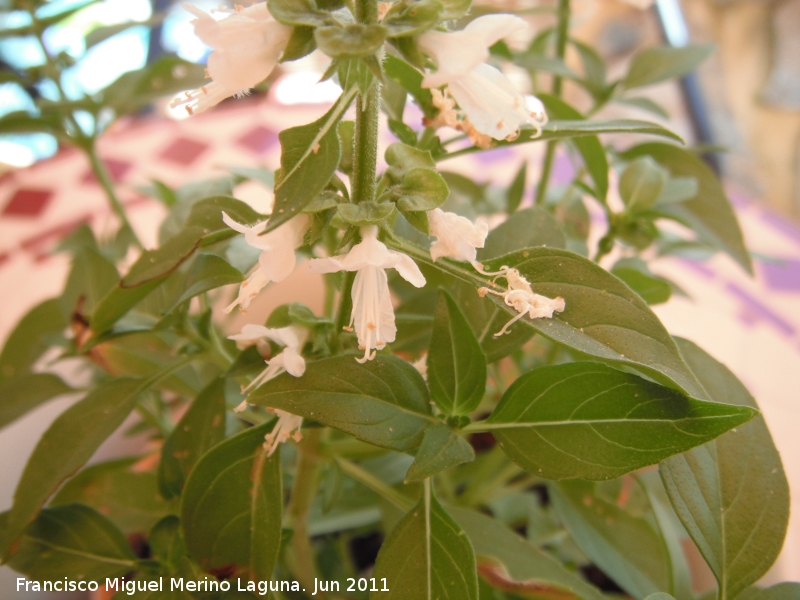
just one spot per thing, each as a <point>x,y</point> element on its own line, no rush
<point>747,99</point>
<point>742,106</point>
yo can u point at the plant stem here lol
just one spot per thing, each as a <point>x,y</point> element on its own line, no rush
<point>376,485</point>
<point>562,36</point>
<point>102,175</point>
<point>365,150</point>
<point>303,492</point>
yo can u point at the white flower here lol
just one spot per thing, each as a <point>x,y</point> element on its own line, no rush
<point>492,104</point>
<point>521,297</point>
<point>289,359</point>
<point>277,259</point>
<point>456,237</point>
<point>373,314</point>
<point>288,426</point>
<point>246,47</point>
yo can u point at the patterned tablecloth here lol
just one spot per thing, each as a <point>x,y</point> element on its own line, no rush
<point>752,325</point>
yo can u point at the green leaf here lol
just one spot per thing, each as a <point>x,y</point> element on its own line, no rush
<point>208,272</point>
<point>401,131</point>
<point>90,279</point>
<point>636,274</point>
<point>645,104</point>
<point>27,341</point>
<point>590,148</point>
<point>642,183</point>
<point>349,41</point>
<point>166,543</point>
<point>412,17</point>
<point>526,228</point>
<point>421,190</point>
<point>301,43</point>
<point>231,506</point>
<point>129,498</point>
<point>365,213</point>
<point>603,318</point>
<point>516,190</point>
<point>455,9</point>
<point>441,449</point>
<point>594,67</point>
<point>410,80</point>
<point>677,190</point>
<point>731,494</point>
<point>101,34</point>
<point>206,216</point>
<point>383,401</point>
<point>66,446</point>
<point>22,122</point>
<point>521,561</point>
<point>427,557</point>
<point>456,363</point>
<point>22,394</point>
<point>72,540</point>
<point>402,159</point>
<point>135,90</point>
<point>201,428</point>
<point>625,546</point>
<point>782,591</point>
<point>562,130</point>
<point>297,12</point>
<point>204,225</point>
<point>590,421</point>
<point>709,213</point>
<point>309,158</point>
<point>654,65</point>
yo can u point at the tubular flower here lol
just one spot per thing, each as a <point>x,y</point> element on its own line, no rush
<point>277,259</point>
<point>456,237</point>
<point>246,47</point>
<point>491,103</point>
<point>289,360</point>
<point>520,297</point>
<point>372,314</point>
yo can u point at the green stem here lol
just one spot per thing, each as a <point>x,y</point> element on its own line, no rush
<point>365,141</point>
<point>304,489</point>
<point>376,485</point>
<point>102,175</point>
<point>562,36</point>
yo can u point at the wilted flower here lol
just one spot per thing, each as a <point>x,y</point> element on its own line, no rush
<point>520,297</point>
<point>277,259</point>
<point>456,237</point>
<point>246,47</point>
<point>372,314</point>
<point>492,104</point>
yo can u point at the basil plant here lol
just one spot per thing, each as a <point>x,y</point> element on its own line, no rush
<point>474,413</point>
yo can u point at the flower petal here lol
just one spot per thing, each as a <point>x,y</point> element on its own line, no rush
<point>250,332</point>
<point>408,269</point>
<point>491,102</point>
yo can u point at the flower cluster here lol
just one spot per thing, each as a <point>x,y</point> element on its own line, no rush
<point>491,105</point>
<point>472,96</point>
